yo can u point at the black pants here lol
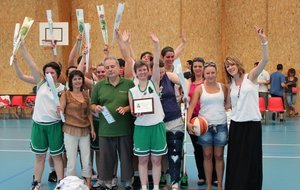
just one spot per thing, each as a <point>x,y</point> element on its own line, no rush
<point>244,157</point>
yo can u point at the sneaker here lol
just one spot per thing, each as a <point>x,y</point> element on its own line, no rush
<point>201,182</point>
<point>52,177</point>
<point>184,181</point>
<point>150,181</point>
<point>98,184</point>
<point>94,175</point>
<point>104,187</point>
<point>163,180</point>
<point>136,184</point>
<point>114,183</point>
<point>129,187</point>
<point>35,186</point>
<point>215,183</point>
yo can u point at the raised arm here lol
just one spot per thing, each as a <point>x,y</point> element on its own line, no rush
<point>80,66</point>
<point>175,79</point>
<point>37,75</point>
<point>155,72</point>
<point>20,74</point>
<point>74,51</point>
<point>178,51</point>
<point>123,41</point>
<point>253,74</point>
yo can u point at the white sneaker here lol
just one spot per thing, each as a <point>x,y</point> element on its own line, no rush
<point>98,184</point>
<point>114,182</point>
<point>36,186</point>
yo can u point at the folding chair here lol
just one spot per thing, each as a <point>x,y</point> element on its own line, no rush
<point>275,105</point>
<point>262,107</point>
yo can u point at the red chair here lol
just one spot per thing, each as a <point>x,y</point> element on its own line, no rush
<point>275,104</point>
<point>17,103</point>
<point>30,101</point>
<point>262,107</point>
<point>5,107</point>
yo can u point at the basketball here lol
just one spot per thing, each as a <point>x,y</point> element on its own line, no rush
<point>200,125</point>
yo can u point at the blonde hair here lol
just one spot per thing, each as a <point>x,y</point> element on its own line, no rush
<point>232,60</point>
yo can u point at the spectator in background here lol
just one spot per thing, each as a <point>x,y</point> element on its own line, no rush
<point>277,81</point>
<point>291,91</point>
<point>122,65</point>
<point>263,80</point>
<point>187,74</point>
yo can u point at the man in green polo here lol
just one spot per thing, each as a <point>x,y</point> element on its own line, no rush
<point>116,124</point>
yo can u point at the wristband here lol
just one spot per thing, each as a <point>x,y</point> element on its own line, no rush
<point>265,43</point>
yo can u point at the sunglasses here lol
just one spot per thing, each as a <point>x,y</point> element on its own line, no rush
<point>209,64</point>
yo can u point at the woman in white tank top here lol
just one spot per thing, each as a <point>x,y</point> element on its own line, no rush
<point>244,155</point>
<point>213,100</point>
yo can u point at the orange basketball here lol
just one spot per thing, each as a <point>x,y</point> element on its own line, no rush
<point>200,125</point>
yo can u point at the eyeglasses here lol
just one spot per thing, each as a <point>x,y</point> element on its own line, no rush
<point>210,64</point>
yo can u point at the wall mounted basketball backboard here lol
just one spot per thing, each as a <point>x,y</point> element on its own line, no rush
<point>60,34</point>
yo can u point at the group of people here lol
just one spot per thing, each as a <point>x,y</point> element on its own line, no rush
<point>281,86</point>
<point>100,114</point>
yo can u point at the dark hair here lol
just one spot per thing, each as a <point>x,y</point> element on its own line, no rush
<point>279,67</point>
<point>291,72</point>
<point>190,62</point>
<point>145,53</point>
<point>54,66</point>
<point>68,70</point>
<point>165,50</point>
<point>138,64</point>
<point>72,75</point>
<point>196,59</point>
<point>161,64</point>
<point>121,62</point>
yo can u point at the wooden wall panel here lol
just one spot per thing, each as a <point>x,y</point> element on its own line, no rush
<point>214,29</point>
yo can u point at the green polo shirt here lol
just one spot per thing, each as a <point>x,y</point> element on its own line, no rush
<point>112,97</point>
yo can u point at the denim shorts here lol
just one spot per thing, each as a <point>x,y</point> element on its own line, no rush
<point>217,135</point>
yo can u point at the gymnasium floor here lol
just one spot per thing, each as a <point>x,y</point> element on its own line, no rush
<point>281,150</point>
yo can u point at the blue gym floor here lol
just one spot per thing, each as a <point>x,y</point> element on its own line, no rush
<point>281,153</point>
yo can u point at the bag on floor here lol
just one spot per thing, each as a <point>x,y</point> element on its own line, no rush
<point>71,183</point>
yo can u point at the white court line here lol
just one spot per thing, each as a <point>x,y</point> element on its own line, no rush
<point>281,144</point>
<point>15,150</point>
<point>188,155</point>
<point>283,157</point>
<point>14,139</point>
<point>276,157</point>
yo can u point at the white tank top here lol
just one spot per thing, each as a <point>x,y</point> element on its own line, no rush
<point>244,101</point>
<point>45,107</point>
<point>212,106</point>
<point>150,92</point>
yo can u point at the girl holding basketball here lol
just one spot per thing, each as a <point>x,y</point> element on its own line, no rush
<point>213,99</point>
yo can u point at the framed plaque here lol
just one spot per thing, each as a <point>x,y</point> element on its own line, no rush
<point>143,106</point>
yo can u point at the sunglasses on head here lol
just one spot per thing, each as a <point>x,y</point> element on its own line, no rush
<point>207,64</point>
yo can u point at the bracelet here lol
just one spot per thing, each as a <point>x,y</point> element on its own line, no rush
<point>265,43</point>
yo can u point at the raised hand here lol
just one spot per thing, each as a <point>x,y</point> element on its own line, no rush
<point>261,34</point>
<point>154,37</point>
